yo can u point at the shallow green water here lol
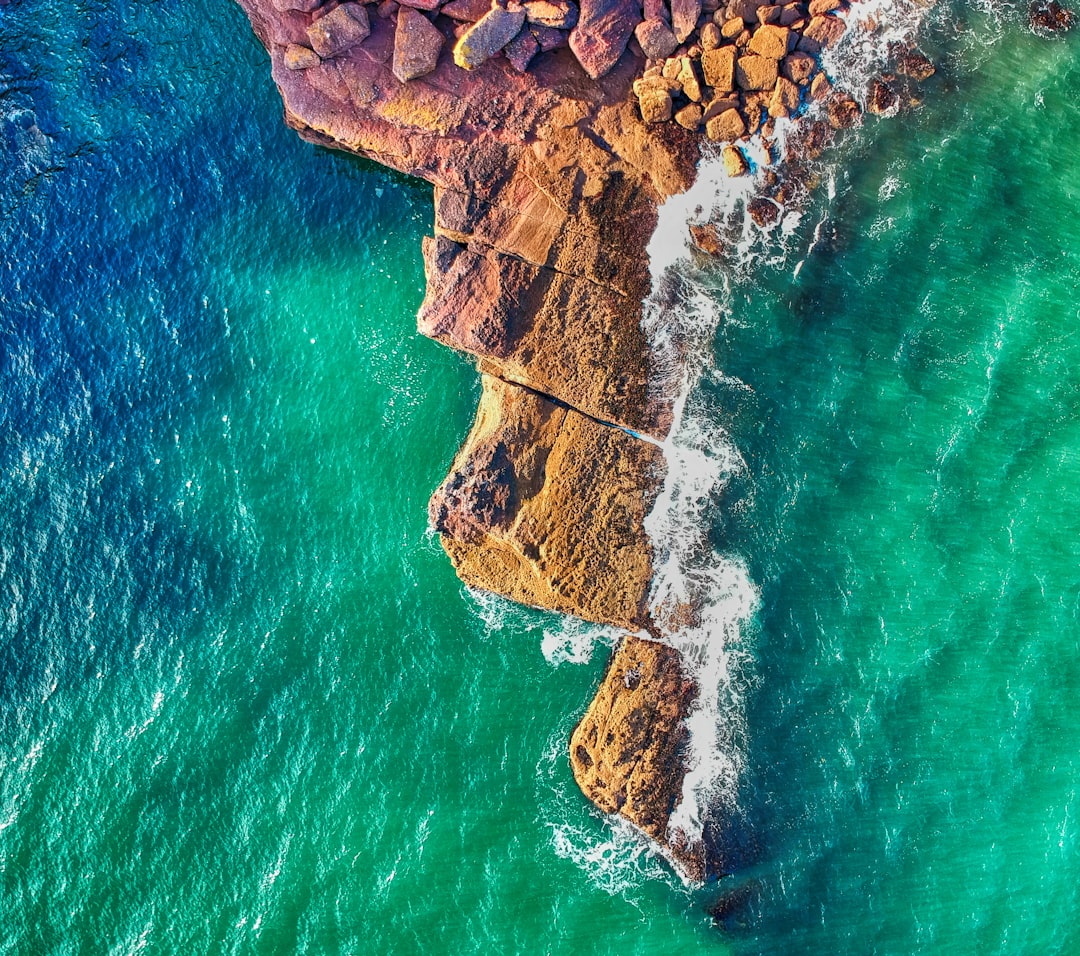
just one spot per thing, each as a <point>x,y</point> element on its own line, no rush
<point>245,706</point>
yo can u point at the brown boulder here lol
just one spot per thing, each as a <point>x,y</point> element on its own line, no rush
<point>342,28</point>
<point>706,238</point>
<point>558,14</point>
<point>719,68</point>
<point>798,67</point>
<point>843,111</point>
<point>819,7</point>
<point>655,105</point>
<point>821,32</point>
<point>690,116</point>
<point>546,506</point>
<point>754,72</point>
<point>487,36</point>
<point>628,752</point>
<point>770,41</point>
<point>417,44</point>
<point>735,163</point>
<point>1050,17</point>
<point>726,127</point>
<point>602,32</point>
<point>689,80</point>
<point>763,211</point>
<point>913,63</point>
<point>785,99</point>
<point>881,98</point>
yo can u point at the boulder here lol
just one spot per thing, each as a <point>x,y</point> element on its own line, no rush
<point>297,57</point>
<point>912,63</point>
<point>684,17</point>
<point>821,32</point>
<point>468,11</point>
<point>881,98</point>
<point>843,111</point>
<point>511,513</point>
<point>1050,17</point>
<point>798,67</point>
<point>602,32</point>
<point>656,39</point>
<point>689,80</point>
<point>784,101</point>
<point>710,36</point>
<point>521,50</point>
<point>690,116</point>
<point>763,211</point>
<point>726,127</point>
<point>820,87</point>
<point>549,38</point>
<point>754,72</point>
<point>487,36</point>
<point>341,29</point>
<point>627,753</point>
<point>417,45</point>
<point>301,6</point>
<point>706,238</point>
<point>770,41</point>
<point>655,105</point>
<point>819,7</point>
<point>719,68</point>
<point>427,5</point>
<point>560,14</point>
<point>735,162</point>
<point>730,29</point>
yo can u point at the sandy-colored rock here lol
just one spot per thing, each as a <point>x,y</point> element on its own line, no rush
<point>341,29</point>
<point>785,99</point>
<point>627,752</point>
<point>735,163</point>
<point>728,126</point>
<point>602,32</point>
<point>546,507</point>
<point>299,57</point>
<point>770,41</point>
<point>719,68</point>
<point>754,72</point>
<point>690,116</point>
<point>710,37</point>
<point>730,29</point>
<point>655,106</point>
<point>656,39</point>
<point>690,80</point>
<point>559,14</point>
<point>417,44</point>
<point>487,36</point>
<point>820,87</point>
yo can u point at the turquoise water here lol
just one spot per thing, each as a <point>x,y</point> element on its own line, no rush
<point>245,706</point>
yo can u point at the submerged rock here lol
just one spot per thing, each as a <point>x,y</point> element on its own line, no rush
<point>1050,17</point>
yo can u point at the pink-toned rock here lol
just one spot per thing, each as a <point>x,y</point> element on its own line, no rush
<point>427,5</point>
<point>602,32</point>
<point>821,32</point>
<point>756,72</point>
<point>657,41</point>
<point>417,45</point>
<point>299,57</point>
<point>521,50</point>
<point>684,17</point>
<point>770,41</point>
<point>549,38</point>
<point>468,11</point>
<point>487,36</point>
<point>657,10</point>
<point>341,29</point>
<point>303,6</point>
<point>719,67</point>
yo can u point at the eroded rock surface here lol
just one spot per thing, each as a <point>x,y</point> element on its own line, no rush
<point>628,752</point>
<point>546,506</point>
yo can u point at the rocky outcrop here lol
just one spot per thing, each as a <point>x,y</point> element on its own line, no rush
<point>627,754</point>
<point>547,506</point>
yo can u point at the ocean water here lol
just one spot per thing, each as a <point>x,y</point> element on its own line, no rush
<point>246,707</point>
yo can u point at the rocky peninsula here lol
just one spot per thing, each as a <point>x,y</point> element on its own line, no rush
<point>551,131</point>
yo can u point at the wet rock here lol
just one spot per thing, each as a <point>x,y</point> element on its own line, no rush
<point>487,36</point>
<point>770,41</point>
<point>719,68</point>
<point>843,111</point>
<point>706,238</point>
<point>602,32</point>
<point>881,98</point>
<point>627,754</point>
<point>754,72</point>
<point>342,28</point>
<point>509,514</point>
<point>763,211</point>
<point>735,163</point>
<point>726,127</point>
<point>417,44</point>
<point>299,57</point>
<point>785,99</point>
<point>912,63</point>
<point>820,87</point>
<point>1050,17</point>
<point>657,41</point>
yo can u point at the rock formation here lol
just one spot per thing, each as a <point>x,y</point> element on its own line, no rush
<point>551,130</point>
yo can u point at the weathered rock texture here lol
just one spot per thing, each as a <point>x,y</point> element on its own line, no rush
<point>628,752</point>
<point>546,506</point>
